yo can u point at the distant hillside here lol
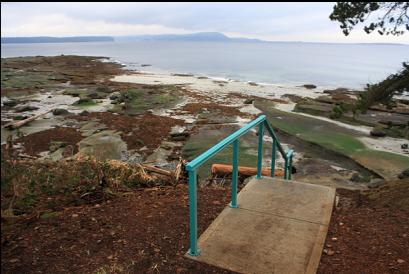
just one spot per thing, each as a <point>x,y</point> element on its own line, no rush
<point>200,36</point>
<point>46,39</point>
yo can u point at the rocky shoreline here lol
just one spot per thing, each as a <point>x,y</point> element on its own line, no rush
<point>133,115</point>
<point>78,133</point>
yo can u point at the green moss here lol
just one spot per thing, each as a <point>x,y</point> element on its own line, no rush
<point>207,138</point>
<point>139,100</point>
<point>335,138</point>
<point>85,102</point>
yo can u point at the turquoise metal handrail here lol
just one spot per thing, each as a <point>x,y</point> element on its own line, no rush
<point>192,166</point>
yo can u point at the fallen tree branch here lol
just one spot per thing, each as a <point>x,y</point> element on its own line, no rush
<point>157,170</point>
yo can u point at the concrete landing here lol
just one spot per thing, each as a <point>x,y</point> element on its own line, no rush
<point>279,227</point>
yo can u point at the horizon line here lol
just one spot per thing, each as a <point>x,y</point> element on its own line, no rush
<point>253,40</point>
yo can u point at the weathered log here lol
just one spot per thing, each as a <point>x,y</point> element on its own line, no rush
<point>222,170</point>
<point>157,170</point>
<point>25,121</point>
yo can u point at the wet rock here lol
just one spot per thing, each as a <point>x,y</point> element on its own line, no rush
<point>73,93</point>
<point>249,101</point>
<point>10,103</point>
<point>146,65</point>
<point>252,84</point>
<point>96,95</point>
<point>60,111</point>
<point>168,145</point>
<point>115,96</point>
<point>378,132</point>
<point>309,86</point>
<point>20,117</point>
<point>84,101</point>
<point>375,183</point>
<point>26,108</point>
<point>357,178</point>
<point>104,145</point>
<point>55,145</point>
<point>132,157</point>
<point>179,136</point>
<point>103,89</point>
<point>84,113</point>
<point>404,146</point>
<point>182,74</point>
<point>404,174</point>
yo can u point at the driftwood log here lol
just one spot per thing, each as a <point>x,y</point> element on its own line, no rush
<point>14,125</point>
<point>176,176</point>
<point>223,170</point>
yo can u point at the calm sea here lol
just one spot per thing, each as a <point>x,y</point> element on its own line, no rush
<point>335,65</point>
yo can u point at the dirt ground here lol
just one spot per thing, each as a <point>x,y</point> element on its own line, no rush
<point>366,237</point>
<point>146,231</point>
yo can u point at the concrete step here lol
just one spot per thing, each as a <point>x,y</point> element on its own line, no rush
<point>279,227</point>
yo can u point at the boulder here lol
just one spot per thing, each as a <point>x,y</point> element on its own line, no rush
<point>115,96</point>
<point>357,178</point>
<point>309,86</point>
<point>375,183</point>
<point>55,145</point>
<point>10,103</point>
<point>84,113</point>
<point>96,95</point>
<point>60,111</point>
<point>249,101</point>
<point>179,136</point>
<point>103,89</point>
<point>404,174</point>
<point>84,101</point>
<point>20,117</point>
<point>378,132</point>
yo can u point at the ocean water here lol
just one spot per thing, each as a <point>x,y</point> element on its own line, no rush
<point>292,63</point>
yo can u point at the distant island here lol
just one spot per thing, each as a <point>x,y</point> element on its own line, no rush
<point>201,36</point>
<point>192,37</point>
<point>49,39</point>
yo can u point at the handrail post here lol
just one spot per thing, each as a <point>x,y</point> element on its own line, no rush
<point>290,167</point>
<point>194,250</point>
<point>235,174</point>
<point>273,157</point>
<point>260,150</point>
<point>286,168</point>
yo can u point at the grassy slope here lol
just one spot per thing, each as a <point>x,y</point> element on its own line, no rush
<point>335,138</point>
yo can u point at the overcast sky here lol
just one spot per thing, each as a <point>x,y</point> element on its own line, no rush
<point>268,21</point>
